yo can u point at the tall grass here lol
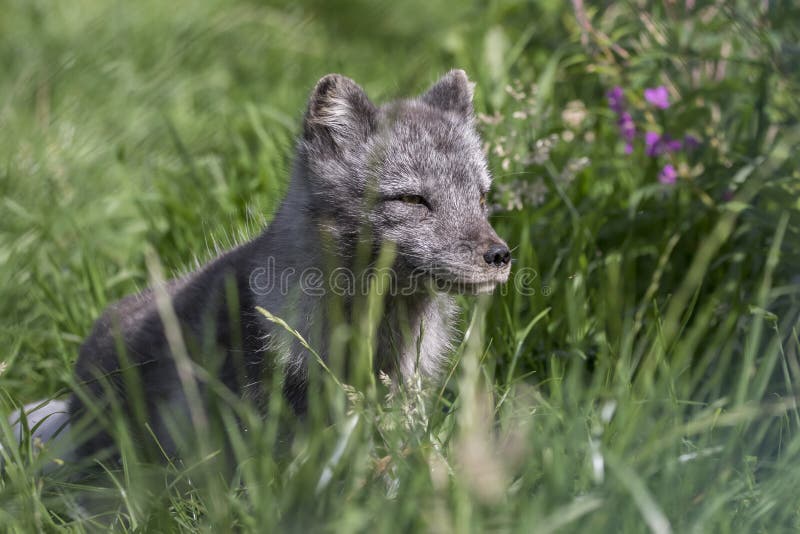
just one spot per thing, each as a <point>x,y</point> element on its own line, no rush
<point>645,380</point>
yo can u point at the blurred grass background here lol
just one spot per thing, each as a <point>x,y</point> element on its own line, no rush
<point>649,381</point>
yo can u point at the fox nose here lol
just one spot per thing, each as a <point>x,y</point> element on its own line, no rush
<point>497,254</point>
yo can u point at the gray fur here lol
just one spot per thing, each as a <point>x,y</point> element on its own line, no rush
<point>47,422</point>
<point>410,173</point>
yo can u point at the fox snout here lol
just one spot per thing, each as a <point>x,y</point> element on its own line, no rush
<point>497,254</point>
<point>494,250</point>
<point>486,262</point>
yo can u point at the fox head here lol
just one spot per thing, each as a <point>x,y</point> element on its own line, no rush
<point>410,172</point>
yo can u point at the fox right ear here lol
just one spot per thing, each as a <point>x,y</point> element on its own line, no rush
<point>452,93</point>
<point>339,112</point>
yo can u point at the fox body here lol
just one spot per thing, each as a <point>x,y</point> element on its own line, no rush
<point>409,174</point>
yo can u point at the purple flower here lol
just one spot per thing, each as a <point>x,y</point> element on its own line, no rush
<point>690,142</point>
<point>627,128</point>
<point>652,144</point>
<point>616,100</point>
<point>657,96</point>
<point>668,175</point>
<point>673,145</point>
<point>657,144</point>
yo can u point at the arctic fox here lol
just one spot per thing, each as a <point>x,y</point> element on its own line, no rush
<point>409,174</point>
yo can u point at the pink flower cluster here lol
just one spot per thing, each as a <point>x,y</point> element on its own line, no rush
<point>656,144</point>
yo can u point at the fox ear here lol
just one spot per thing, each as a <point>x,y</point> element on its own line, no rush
<point>452,93</point>
<point>339,112</point>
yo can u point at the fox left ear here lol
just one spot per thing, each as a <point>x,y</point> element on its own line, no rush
<point>339,112</point>
<point>452,93</point>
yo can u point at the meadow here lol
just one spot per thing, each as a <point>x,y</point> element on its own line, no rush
<point>646,174</point>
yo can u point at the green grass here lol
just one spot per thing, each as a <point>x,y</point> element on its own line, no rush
<point>649,383</point>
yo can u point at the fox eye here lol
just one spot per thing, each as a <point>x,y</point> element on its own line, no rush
<point>483,200</point>
<point>412,199</point>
